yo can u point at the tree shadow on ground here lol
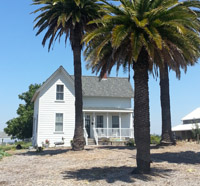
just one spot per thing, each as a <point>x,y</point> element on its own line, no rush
<point>113,174</point>
<point>116,147</point>
<point>126,147</point>
<point>48,152</point>
<point>186,157</point>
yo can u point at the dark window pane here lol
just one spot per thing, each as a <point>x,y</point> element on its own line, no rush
<point>87,119</point>
<point>192,121</point>
<point>99,121</point>
<point>59,96</point>
<point>59,92</point>
<point>60,88</point>
<point>115,121</point>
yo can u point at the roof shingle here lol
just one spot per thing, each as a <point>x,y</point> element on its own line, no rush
<point>109,87</point>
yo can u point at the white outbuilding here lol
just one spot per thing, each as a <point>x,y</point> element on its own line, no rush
<point>189,122</point>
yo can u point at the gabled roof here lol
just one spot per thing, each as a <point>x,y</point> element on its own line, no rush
<point>92,86</point>
<point>60,69</point>
<point>193,115</point>
<point>185,127</point>
<point>109,87</point>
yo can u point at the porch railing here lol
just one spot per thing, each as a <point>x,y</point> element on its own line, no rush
<point>115,132</point>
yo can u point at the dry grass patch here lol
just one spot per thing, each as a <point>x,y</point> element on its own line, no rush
<point>175,165</point>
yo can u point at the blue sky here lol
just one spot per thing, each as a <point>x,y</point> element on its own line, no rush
<point>24,61</point>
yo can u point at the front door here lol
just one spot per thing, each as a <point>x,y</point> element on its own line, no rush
<point>87,124</point>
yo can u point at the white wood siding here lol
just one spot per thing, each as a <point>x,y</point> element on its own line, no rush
<point>48,108</point>
<point>106,102</point>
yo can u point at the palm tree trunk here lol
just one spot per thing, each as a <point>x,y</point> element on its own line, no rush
<point>167,137</point>
<point>78,140</point>
<point>141,113</point>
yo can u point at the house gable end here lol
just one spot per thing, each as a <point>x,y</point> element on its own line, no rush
<point>60,71</point>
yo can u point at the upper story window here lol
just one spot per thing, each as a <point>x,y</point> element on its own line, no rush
<point>191,121</point>
<point>60,92</point>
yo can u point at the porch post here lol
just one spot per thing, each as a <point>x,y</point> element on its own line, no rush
<point>107,124</point>
<point>84,120</point>
<point>131,125</point>
<point>120,126</point>
<point>94,122</point>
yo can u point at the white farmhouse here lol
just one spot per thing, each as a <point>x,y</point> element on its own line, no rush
<point>184,131</point>
<point>107,109</point>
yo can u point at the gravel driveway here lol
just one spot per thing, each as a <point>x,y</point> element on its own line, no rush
<point>176,165</point>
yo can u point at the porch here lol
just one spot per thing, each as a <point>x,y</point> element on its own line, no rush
<point>108,123</point>
<point>114,132</point>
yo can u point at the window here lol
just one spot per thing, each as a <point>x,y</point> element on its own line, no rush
<point>59,92</point>
<point>87,120</point>
<point>59,122</point>
<point>99,121</point>
<point>192,121</point>
<point>87,124</point>
<point>115,121</point>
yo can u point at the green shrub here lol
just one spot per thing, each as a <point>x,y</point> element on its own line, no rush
<point>130,143</point>
<point>155,139</point>
<point>7,147</point>
<point>3,154</point>
<point>195,131</point>
<point>25,145</point>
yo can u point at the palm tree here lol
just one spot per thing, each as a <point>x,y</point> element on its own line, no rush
<point>69,18</point>
<point>143,35</point>
<point>167,136</point>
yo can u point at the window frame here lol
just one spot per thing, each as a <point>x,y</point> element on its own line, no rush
<point>87,119</point>
<point>59,92</point>
<point>191,121</point>
<point>101,116</point>
<point>113,124</point>
<point>59,131</point>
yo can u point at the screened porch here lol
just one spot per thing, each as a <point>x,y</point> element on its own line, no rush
<point>108,124</point>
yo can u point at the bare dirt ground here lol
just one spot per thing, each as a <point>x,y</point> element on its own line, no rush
<point>175,165</point>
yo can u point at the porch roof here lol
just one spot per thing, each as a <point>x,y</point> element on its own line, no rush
<point>184,127</point>
<point>107,109</point>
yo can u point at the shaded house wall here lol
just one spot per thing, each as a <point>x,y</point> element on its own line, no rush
<point>183,135</point>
